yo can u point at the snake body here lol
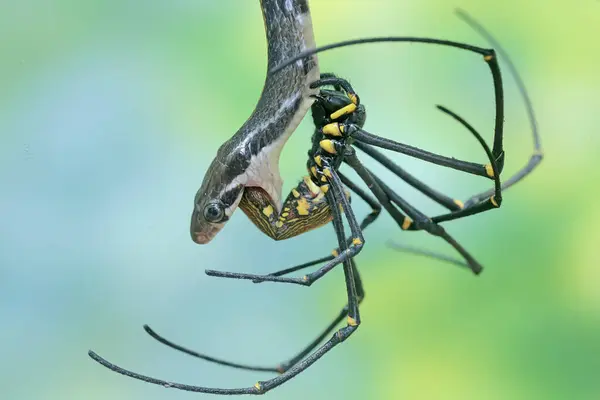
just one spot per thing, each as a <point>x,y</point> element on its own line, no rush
<point>250,158</point>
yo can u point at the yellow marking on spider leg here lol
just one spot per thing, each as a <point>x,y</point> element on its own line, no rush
<point>406,223</point>
<point>318,161</point>
<point>335,253</point>
<point>327,172</point>
<point>351,321</point>
<point>459,203</point>
<point>489,170</point>
<point>488,57</point>
<point>314,189</point>
<point>332,129</point>
<point>268,211</point>
<point>493,201</point>
<point>350,108</point>
<point>324,188</point>
<point>295,193</point>
<point>353,98</point>
<point>357,242</point>
<point>258,386</point>
<point>303,207</point>
<point>328,146</point>
<point>319,197</point>
<point>313,171</point>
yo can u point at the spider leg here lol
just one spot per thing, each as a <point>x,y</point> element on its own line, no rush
<point>422,222</point>
<point>283,366</point>
<point>337,83</point>
<point>493,201</point>
<point>489,56</point>
<point>452,204</point>
<point>367,220</point>
<point>336,199</point>
<point>538,153</point>
<point>376,206</point>
<point>426,253</point>
<point>440,198</point>
<point>465,166</point>
<point>414,219</point>
<point>205,357</point>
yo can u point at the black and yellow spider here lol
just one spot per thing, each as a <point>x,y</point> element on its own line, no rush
<point>245,174</point>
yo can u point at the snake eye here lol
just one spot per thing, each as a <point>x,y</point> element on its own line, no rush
<point>213,212</point>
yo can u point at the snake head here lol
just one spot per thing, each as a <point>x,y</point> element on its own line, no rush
<point>215,201</point>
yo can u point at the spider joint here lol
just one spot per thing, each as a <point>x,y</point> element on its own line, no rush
<point>489,170</point>
<point>494,202</point>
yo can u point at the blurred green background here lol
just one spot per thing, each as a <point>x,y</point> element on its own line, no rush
<point>110,112</point>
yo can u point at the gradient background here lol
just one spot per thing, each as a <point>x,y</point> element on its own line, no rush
<point>110,112</point>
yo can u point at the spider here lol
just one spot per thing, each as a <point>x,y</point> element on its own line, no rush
<point>324,195</point>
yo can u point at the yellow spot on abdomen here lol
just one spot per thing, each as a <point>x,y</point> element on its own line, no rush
<point>268,210</point>
<point>302,207</point>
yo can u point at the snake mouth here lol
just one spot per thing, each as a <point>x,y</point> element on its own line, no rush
<point>206,235</point>
<point>201,237</point>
